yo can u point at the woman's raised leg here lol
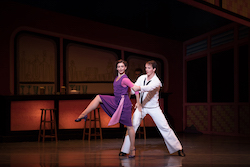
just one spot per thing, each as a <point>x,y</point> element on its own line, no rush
<point>92,105</point>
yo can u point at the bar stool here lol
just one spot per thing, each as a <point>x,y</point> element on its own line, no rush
<point>93,119</point>
<point>43,122</point>
<point>142,130</point>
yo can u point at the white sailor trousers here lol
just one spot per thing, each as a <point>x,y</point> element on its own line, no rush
<point>170,139</point>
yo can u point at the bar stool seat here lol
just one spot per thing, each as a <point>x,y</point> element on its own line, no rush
<point>93,131</point>
<point>51,121</point>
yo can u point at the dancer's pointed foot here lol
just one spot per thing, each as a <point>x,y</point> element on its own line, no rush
<point>79,119</point>
<point>181,153</point>
<point>132,153</point>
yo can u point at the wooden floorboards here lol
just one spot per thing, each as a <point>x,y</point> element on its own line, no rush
<point>201,150</point>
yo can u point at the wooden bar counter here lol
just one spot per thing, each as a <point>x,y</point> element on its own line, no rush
<point>20,116</point>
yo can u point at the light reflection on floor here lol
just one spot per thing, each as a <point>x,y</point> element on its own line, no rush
<point>201,150</point>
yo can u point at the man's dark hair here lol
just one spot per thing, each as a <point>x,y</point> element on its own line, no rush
<point>153,63</point>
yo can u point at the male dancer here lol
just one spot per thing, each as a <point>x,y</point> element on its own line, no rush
<point>148,103</point>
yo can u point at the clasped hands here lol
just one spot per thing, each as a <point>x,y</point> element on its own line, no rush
<point>138,106</point>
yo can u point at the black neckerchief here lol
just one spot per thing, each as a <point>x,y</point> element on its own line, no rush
<point>144,85</point>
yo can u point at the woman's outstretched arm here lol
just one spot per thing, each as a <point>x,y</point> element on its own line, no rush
<point>126,82</point>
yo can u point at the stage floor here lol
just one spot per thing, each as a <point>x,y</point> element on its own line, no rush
<point>201,150</point>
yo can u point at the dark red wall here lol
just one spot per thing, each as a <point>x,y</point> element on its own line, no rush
<point>14,16</point>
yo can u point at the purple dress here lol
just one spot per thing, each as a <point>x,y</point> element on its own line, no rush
<point>110,103</point>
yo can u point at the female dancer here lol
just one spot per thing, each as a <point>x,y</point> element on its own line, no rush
<point>119,106</point>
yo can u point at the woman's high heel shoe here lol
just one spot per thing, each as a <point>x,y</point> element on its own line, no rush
<point>79,119</point>
<point>132,156</point>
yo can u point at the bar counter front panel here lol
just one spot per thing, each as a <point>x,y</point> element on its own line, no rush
<point>22,112</point>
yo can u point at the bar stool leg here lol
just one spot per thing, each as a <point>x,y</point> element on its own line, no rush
<point>144,129</point>
<point>44,121</point>
<point>55,126</point>
<point>51,123</point>
<point>95,133</point>
<point>90,118</point>
<point>100,126</point>
<point>84,130</point>
<point>85,125</point>
<point>39,136</point>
